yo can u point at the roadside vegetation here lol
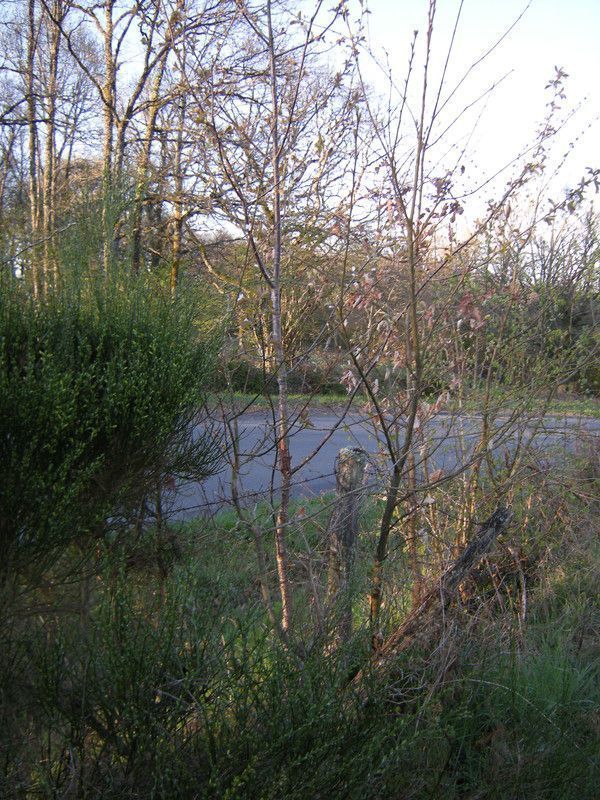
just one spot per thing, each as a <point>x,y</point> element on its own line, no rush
<point>575,405</point>
<point>209,209</point>
<point>168,681</point>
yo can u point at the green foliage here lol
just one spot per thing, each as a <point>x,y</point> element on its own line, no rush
<point>181,690</point>
<point>100,385</point>
<point>312,376</point>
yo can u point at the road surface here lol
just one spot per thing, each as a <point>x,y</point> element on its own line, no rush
<point>447,440</point>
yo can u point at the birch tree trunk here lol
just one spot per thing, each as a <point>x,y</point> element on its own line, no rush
<point>283,449</point>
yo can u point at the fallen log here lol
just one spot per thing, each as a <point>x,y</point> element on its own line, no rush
<point>436,599</point>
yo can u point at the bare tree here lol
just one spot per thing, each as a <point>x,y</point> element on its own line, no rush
<point>155,34</point>
<point>421,249</point>
<point>262,110</point>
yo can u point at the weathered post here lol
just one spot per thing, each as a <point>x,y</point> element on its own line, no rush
<point>343,531</point>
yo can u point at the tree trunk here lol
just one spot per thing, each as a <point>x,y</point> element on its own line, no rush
<point>140,190</point>
<point>283,450</point>
<point>178,200</point>
<point>412,536</point>
<point>109,116</point>
<point>49,209</point>
<point>32,146</point>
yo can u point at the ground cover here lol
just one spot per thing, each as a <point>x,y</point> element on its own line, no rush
<point>166,680</point>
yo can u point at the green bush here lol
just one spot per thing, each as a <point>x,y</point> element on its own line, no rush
<point>190,697</point>
<point>100,385</point>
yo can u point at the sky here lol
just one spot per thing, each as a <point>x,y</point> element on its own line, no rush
<point>551,33</point>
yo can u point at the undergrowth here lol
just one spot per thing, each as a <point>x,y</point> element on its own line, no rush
<point>167,681</point>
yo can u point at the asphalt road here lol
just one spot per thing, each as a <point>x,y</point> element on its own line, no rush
<point>447,440</point>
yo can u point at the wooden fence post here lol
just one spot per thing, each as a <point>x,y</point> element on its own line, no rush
<point>343,531</point>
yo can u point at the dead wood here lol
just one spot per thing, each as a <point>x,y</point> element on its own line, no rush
<point>424,619</point>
